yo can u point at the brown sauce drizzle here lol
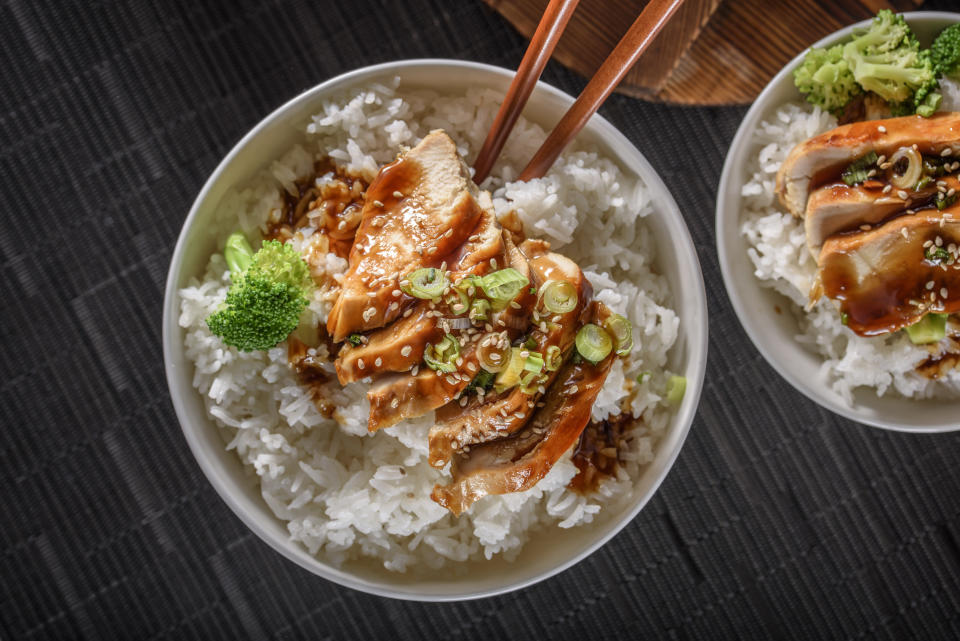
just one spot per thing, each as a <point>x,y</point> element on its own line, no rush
<point>598,452</point>
<point>310,373</point>
<point>337,205</point>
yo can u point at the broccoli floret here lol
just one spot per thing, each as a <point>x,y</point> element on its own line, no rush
<point>266,297</point>
<point>886,59</point>
<point>945,52</point>
<point>825,78</point>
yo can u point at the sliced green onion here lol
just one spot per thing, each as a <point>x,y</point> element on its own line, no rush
<point>238,253</point>
<point>929,329</point>
<point>937,255</point>
<point>529,383</point>
<point>619,328</point>
<point>593,343</point>
<point>427,282</point>
<point>509,376</point>
<point>479,309</point>
<point>942,202</point>
<point>458,301</point>
<point>923,182</point>
<point>530,343</point>
<point>676,387</point>
<point>553,358</point>
<point>642,377</point>
<point>442,356</point>
<point>533,362</point>
<point>857,170</point>
<point>492,358</point>
<point>559,296</point>
<point>355,339</point>
<point>502,286</point>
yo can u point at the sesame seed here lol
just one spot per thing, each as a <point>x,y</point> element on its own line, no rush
<point>395,403</point>
<point>393,306</point>
<point>431,250</point>
<point>882,157</point>
<point>452,380</point>
<point>342,225</point>
<point>407,312</point>
<point>902,194</point>
<point>541,390</point>
<point>360,363</point>
<point>882,129</point>
<point>938,241</point>
<point>927,243</point>
<point>885,165</point>
<point>459,361</point>
<point>396,292</point>
<point>514,304</point>
<point>377,203</point>
<point>865,227</point>
<point>472,366</point>
<point>368,314</point>
<point>415,370</point>
<point>493,263</point>
<point>397,194</point>
<point>372,294</point>
<point>871,173</point>
<point>951,192</point>
<point>929,284</point>
<point>521,415</point>
<point>543,327</point>
<point>378,362</point>
<point>443,266</point>
<point>463,401</point>
<point>887,189</point>
<point>447,233</point>
<point>946,152</point>
<point>474,238</point>
<point>574,389</point>
<point>943,292</point>
<point>903,232</point>
<point>405,351</point>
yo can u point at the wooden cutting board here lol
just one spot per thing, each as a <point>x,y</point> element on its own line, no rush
<point>713,52</point>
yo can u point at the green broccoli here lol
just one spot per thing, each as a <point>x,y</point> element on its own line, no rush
<point>825,78</point>
<point>266,297</point>
<point>886,59</point>
<point>945,52</point>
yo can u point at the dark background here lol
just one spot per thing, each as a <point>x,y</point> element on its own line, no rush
<point>779,520</point>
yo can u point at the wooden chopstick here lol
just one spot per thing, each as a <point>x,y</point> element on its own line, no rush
<point>641,33</point>
<point>552,24</point>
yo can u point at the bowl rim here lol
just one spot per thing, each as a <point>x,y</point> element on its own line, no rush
<point>695,328</point>
<point>723,217</point>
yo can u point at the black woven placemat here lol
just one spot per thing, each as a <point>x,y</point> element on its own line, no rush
<point>779,520</point>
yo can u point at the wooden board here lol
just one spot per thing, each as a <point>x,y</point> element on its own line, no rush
<point>713,52</point>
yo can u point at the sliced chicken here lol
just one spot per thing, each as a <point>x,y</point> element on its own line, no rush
<point>396,397</point>
<point>491,416</point>
<point>822,158</point>
<point>838,207</point>
<point>518,462</point>
<point>418,210</point>
<point>400,345</point>
<point>889,277</point>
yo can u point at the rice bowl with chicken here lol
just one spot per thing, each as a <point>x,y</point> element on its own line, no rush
<point>848,211</point>
<point>346,492</point>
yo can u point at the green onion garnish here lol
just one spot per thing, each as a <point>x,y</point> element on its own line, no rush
<point>942,202</point>
<point>427,282</point>
<point>553,358</point>
<point>238,253</point>
<point>857,171</point>
<point>502,286</point>
<point>529,383</point>
<point>355,339</point>
<point>676,387</point>
<point>620,329</point>
<point>534,362</point>
<point>923,182</point>
<point>937,255</point>
<point>509,376</point>
<point>442,356</point>
<point>559,296</point>
<point>483,379</point>
<point>593,343</point>
<point>479,309</point>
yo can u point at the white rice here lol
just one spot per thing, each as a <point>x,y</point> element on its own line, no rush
<point>345,493</point>
<point>777,247</point>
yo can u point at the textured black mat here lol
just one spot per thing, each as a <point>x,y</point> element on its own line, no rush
<point>779,520</point>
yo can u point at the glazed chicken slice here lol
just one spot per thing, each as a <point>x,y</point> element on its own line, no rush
<point>888,277</point>
<point>487,417</point>
<point>400,345</point>
<point>836,208</point>
<point>821,159</point>
<point>396,397</point>
<point>417,210</point>
<point>518,462</point>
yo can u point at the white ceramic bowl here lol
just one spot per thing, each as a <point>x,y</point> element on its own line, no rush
<point>773,333</point>
<point>549,553</point>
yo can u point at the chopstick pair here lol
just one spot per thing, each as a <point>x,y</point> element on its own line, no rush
<point>555,18</point>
